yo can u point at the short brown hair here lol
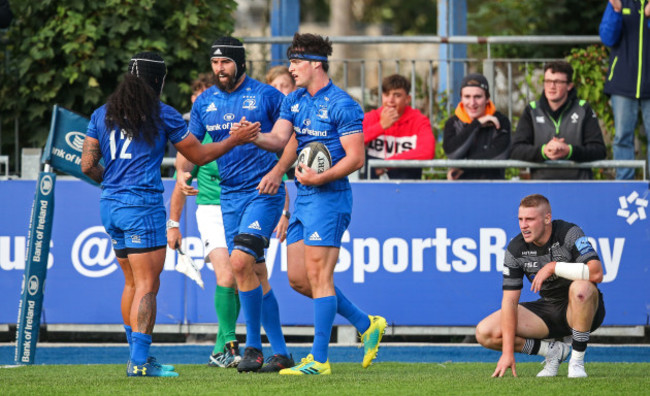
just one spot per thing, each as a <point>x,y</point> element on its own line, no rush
<point>535,201</point>
<point>395,81</point>
<point>276,72</point>
<point>560,67</point>
<point>202,82</point>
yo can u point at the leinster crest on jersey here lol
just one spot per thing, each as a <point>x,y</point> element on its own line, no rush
<point>250,104</point>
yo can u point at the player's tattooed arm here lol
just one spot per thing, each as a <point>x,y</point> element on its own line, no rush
<point>90,160</point>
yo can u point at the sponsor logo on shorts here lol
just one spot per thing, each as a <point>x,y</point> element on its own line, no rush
<point>212,107</point>
<point>315,237</point>
<point>135,239</point>
<point>255,225</point>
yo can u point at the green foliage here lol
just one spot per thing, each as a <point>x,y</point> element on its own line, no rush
<point>403,17</point>
<point>73,52</point>
<point>532,17</point>
<point>590,67</point>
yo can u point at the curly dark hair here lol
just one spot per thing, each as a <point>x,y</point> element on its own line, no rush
<point>309,43</point>
<point>134,107</point>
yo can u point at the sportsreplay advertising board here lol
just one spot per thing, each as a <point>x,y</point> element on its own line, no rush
<point>420,254</point>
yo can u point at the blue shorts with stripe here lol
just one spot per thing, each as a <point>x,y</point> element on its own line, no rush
<point>134,226</point>
<point>320,219</point>
<point>249,212</point>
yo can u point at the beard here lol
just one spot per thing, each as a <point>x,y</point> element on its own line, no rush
<point>230,83</point>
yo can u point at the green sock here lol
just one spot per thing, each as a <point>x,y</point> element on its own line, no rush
<point>226,302</point>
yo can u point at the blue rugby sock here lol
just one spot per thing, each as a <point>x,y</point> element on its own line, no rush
<point>351,312</point>
<point>140,350</point>
<point>324,313</point>
<point>251,302</point>
<point>272,325</point>
<point>128,331</point>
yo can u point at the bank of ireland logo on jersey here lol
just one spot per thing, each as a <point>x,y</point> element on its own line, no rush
<point>92,255</point>
<point>632,207</point>
<point>229,117</point>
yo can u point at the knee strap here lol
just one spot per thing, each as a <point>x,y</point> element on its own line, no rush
<point>251,244</point>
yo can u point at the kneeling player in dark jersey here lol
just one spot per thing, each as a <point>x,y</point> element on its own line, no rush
<point>564,268</point>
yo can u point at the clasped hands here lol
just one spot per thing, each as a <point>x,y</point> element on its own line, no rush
<point>556,149</point>
<point>245,131</point>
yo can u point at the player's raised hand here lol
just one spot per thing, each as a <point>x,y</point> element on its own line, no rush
<point>245,131</point>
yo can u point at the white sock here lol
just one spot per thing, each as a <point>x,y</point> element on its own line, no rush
<point>577,356</point>
<point>543,348</point>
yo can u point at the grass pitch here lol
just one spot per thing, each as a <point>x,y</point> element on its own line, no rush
<point>346,379</point>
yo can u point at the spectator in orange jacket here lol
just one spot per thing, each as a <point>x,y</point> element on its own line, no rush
<point>396,131</point>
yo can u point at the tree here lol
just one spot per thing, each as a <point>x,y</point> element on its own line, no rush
<point>533,17</point>
<point>403,17</point>
<point>73,52</point>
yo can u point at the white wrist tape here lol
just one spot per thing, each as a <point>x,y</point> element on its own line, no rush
<point>572,271</point>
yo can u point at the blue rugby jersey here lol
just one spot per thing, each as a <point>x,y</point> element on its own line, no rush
<point>132,167</point>
<point>214,112</point>
<point>325,117</point>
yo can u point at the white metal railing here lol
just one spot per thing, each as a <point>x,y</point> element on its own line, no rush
<point>444,163</point>
<point>425,68</point>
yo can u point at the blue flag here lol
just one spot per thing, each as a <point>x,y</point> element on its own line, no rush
<point>65,143</point>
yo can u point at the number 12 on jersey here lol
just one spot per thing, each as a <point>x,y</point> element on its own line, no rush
<point>113,143</point>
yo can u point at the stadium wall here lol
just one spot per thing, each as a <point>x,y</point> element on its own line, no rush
<point>419,253</point>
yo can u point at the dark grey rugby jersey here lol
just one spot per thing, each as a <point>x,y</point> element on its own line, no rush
<point>567,243</point>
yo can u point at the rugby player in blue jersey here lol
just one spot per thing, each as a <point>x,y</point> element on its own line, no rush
<point>249,217</point>
<point>319,111</point>
<point>130,133</point>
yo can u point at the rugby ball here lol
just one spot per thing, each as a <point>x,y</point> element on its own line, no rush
<point>316,156</point>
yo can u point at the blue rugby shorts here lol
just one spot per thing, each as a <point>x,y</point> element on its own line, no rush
<point>134,226</point>
<point>250,212</point>
<point>320,219</point>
